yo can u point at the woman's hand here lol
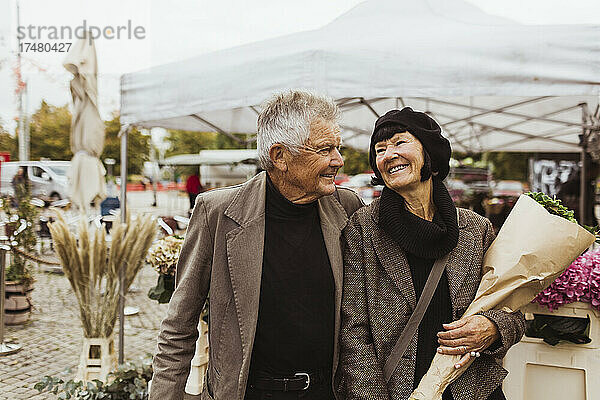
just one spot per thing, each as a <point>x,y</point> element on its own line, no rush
<point>467,337</point>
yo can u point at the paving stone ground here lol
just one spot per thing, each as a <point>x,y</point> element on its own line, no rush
<point>52,339</point>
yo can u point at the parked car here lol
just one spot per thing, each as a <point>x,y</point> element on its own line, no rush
<point>361,183</point>
<point>48,179</point>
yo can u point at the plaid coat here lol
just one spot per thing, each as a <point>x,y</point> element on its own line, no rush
<point>379,298</point>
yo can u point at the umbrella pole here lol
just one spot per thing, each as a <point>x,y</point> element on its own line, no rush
<point>124,134</point>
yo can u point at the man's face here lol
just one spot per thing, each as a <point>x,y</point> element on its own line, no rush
<point>312,172</point>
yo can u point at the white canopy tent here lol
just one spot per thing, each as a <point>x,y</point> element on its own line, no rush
<point>492,83</point>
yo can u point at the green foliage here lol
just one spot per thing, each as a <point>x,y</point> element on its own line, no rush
<point>555,207</point>
<point>162,292</point>
<point>225,142</point>
<point>138,147</point>
<point>129,382</point>
<point>505,165</point>
<point>24,213</point>
<point>511,166</point>
<point>50,128</point>
<point>8,143</point>
<point>355,161</point>
<point>188,142</point>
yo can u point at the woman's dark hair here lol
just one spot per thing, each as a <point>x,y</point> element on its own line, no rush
<point>384,133</point>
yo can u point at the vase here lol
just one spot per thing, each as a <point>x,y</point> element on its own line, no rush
<point>17,304</point>
<point>97,359</point>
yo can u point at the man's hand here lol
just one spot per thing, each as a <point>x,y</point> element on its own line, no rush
<point>467,337</point>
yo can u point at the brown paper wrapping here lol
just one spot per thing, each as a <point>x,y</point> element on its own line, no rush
<point>531,250</point>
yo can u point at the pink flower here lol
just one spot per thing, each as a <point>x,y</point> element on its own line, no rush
<point>579,282</point>
<point>594,284</point>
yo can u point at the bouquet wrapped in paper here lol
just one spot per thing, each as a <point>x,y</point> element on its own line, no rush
<point>531,250</point>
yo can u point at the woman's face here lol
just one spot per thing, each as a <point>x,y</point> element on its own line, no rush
<point>399,160</point>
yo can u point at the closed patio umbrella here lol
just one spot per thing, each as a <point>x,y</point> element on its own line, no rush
<point>87,129</point>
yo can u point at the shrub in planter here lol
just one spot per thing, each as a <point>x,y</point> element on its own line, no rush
<point>19,279</point>
<point>129,382</point>
<point>20,231</point>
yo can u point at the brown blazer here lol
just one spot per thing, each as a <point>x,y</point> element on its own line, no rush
<point>379,297</point>
<point>223,254</point>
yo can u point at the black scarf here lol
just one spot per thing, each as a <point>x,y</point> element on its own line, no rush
<point>415,235</point>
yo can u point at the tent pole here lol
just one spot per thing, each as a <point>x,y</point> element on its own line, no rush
<point>369,106</point>
<point>583,187</point>
<point>124,133</point>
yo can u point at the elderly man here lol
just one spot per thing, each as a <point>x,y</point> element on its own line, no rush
<point>268,252</point>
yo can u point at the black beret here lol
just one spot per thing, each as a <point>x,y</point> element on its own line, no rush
<point>421,126</point>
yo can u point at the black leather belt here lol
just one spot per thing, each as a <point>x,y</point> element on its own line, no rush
<point>298,382</point>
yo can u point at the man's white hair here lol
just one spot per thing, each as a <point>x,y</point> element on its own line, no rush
<point>286,119</point>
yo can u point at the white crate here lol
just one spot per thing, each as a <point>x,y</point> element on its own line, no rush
<point>539,371</point>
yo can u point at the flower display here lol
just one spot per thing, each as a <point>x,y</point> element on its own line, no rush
<point>163,255</point>
<point>580,282</point>
<point>594,282</point>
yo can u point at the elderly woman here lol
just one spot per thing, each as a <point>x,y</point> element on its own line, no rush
<point>391,247</point>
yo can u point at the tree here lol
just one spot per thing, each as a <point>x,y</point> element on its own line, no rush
<point>8,143</point>
<point>508,165</point>
<point>138,146</point>
<point>225,142</point>
<point>50,129</point>
<point>355,161</point>
<point>188,142</point>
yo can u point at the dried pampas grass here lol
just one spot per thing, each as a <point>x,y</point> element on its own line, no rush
<point>93,269</point>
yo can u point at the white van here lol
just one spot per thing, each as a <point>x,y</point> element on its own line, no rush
<point>48,179</point>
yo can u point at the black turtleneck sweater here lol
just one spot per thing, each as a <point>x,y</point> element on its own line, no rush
<point>295,325</point>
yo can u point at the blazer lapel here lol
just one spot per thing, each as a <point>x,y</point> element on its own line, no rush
<point>392,258</point>
<point>245,245</point>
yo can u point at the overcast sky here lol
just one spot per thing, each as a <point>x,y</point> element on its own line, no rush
<point>179,29</point>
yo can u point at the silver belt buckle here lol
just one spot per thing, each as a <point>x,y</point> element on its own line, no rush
<point>300,374</point>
